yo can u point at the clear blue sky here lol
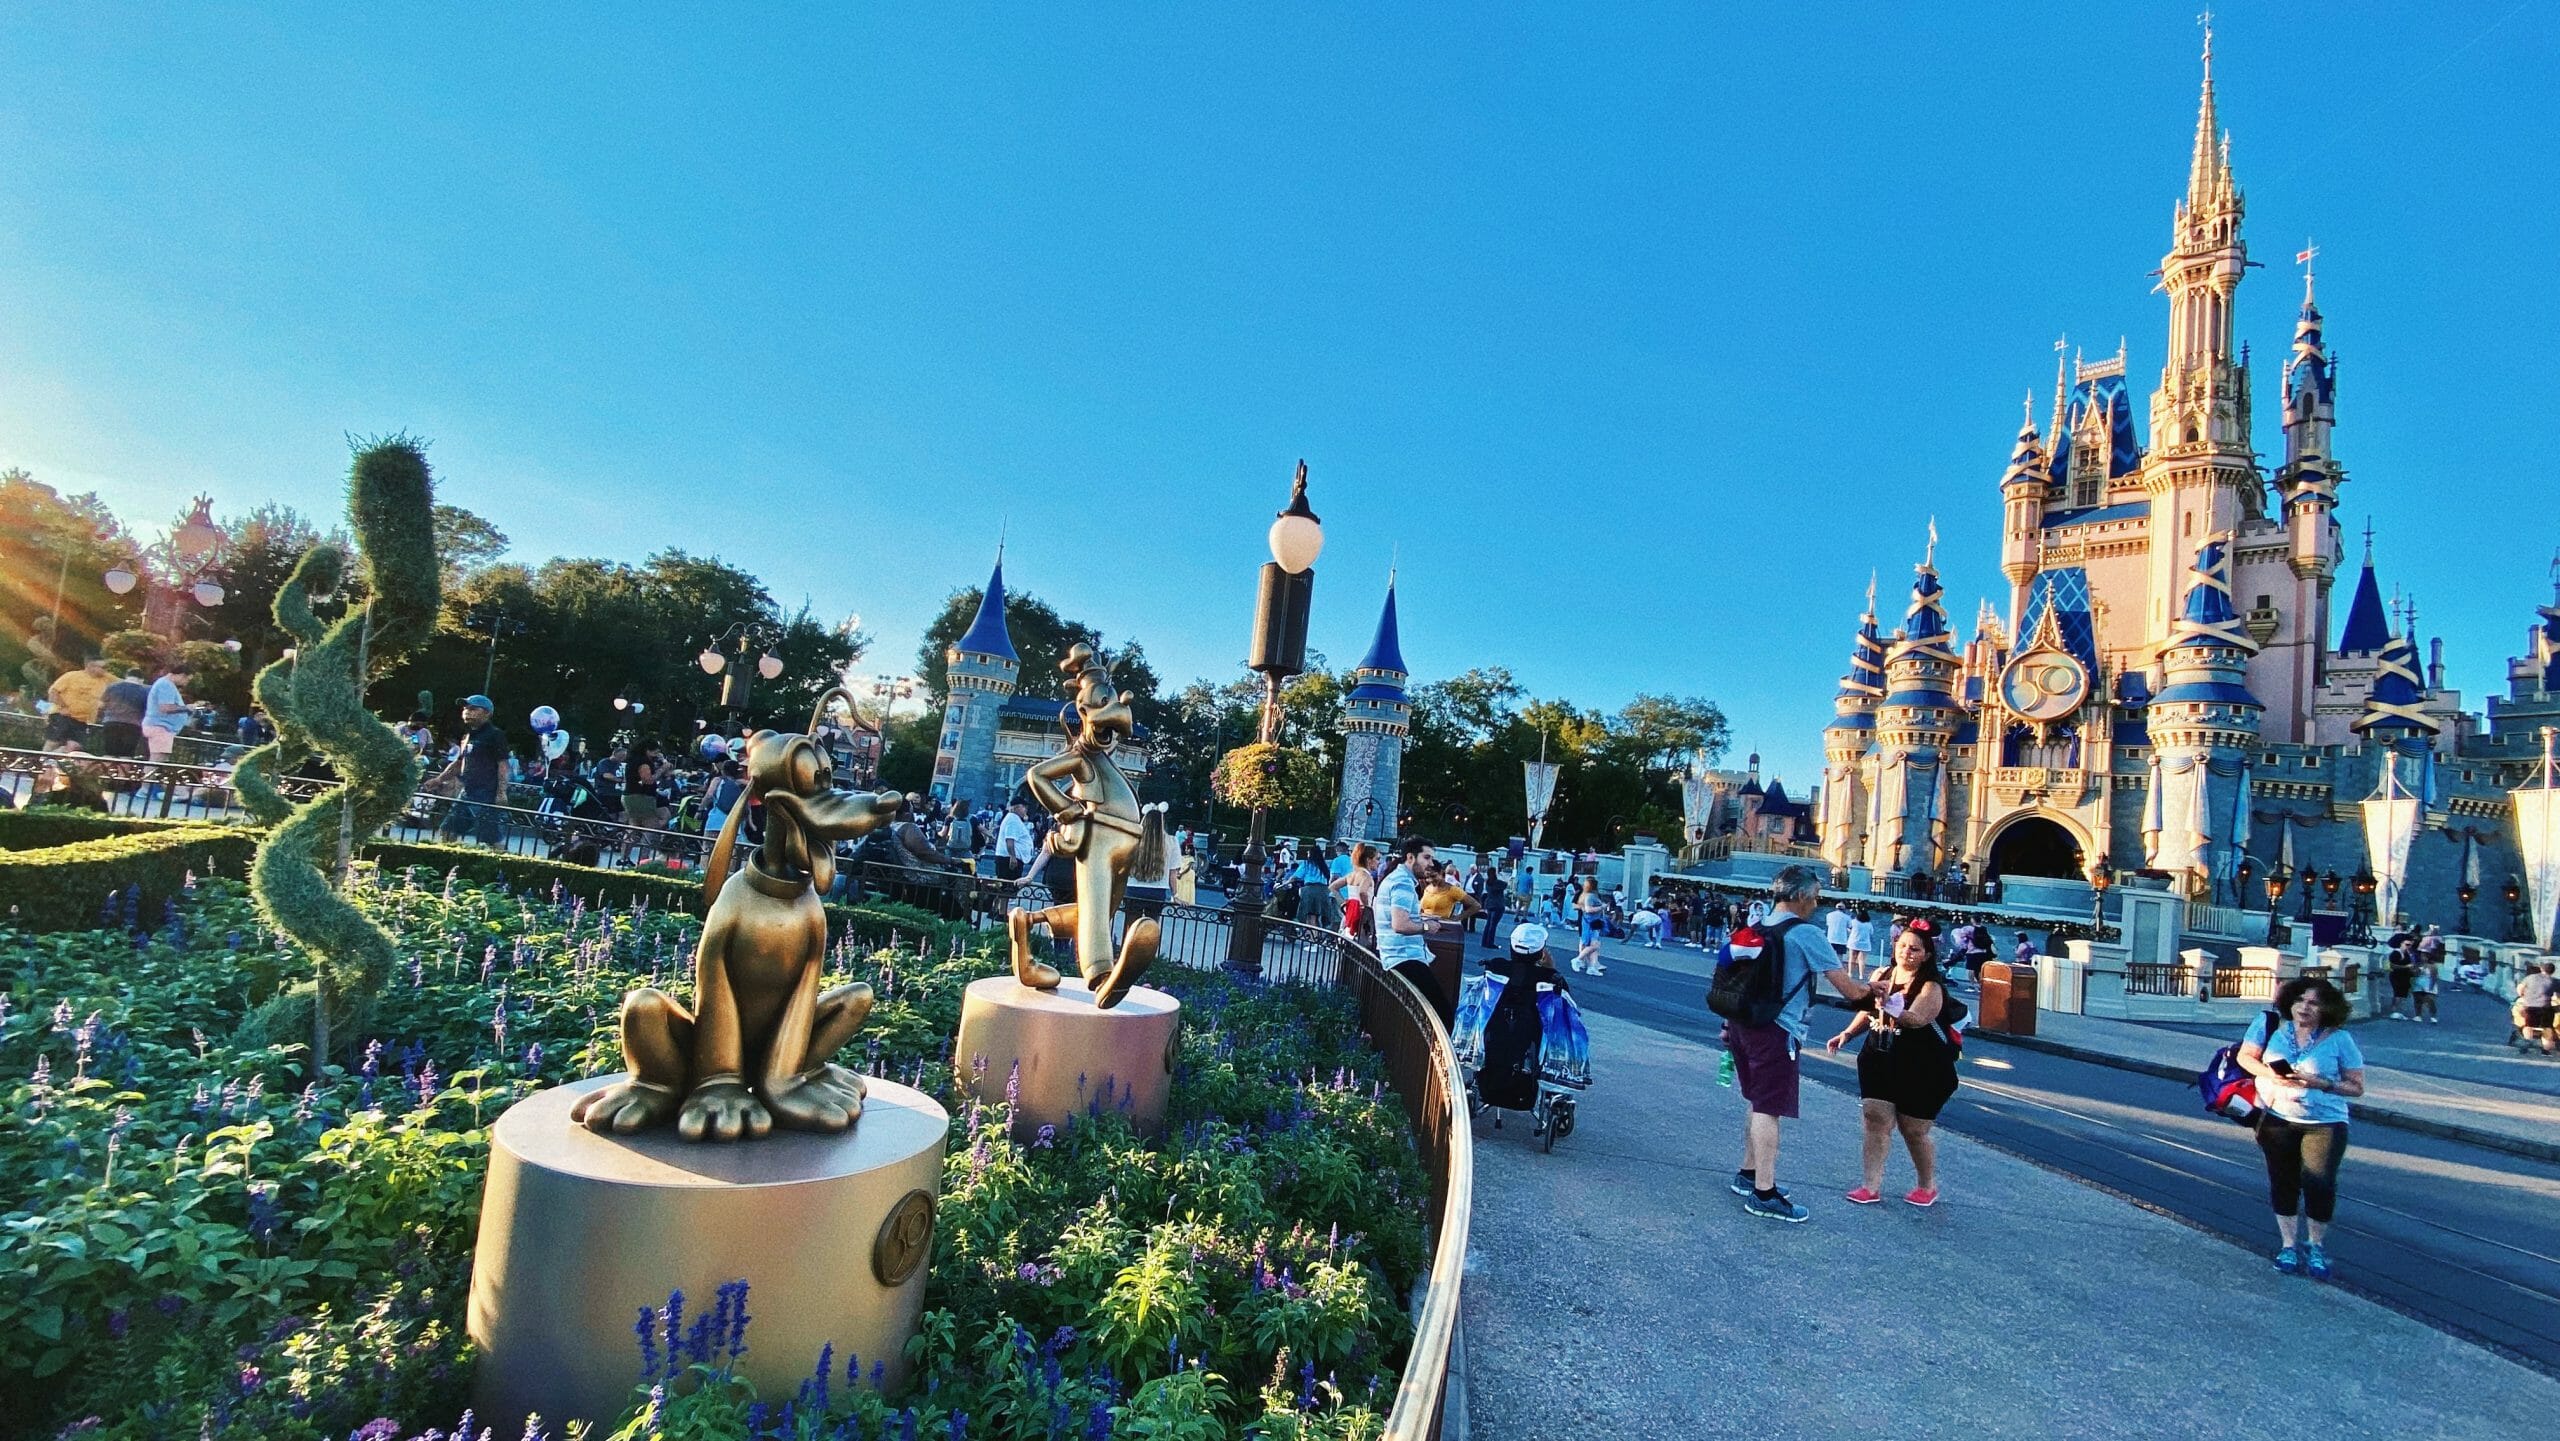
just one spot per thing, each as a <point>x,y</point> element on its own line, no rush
<point>1644,334</point>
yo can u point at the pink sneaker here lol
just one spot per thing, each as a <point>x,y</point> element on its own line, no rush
<point>1920,1197</point>
<point>1865,1196</point>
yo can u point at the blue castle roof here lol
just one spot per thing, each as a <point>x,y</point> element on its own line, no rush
<point>2394,706</point>
<point>2106,394</point>
<point>2207,616</point>
<point>1927,618</point>
<point>2368,631</point>
<point>987,634</point>
<point>1385,651</point>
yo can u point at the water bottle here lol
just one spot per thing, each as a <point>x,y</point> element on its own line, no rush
<point>1724,1068</point>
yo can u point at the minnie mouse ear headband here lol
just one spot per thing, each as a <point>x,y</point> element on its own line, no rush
<point>1922,924</point>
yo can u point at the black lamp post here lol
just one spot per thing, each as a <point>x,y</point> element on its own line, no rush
<point>726,657</point>
<point>2329,889</point>
<point>2515,909</point>
<point>2277,880</point>
<point>2365,883</point>
<point>1286,592</point>
<point>2245,872</point>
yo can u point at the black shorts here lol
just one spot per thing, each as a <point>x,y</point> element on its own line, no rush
<point>64,728</point>
<point>2537,1018</point>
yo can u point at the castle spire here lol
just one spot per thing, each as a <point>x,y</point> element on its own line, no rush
<point>987,633</point>
<point>2212,160</point>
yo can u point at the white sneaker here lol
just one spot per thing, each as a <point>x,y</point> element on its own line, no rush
<point>2395,1015</point>
<point>1598,969</point>
<point>2435,1020</point>
<point>1577,965</point>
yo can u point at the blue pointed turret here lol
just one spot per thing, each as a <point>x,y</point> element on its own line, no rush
<point>2207,662</point>
<point>2028,464</point>
<point>1386,651</point>
<point>1376,719</point>
<point>1866,661</point>
<point>2368,629</point>
<point>2395,707</point>
<point>987,634</point>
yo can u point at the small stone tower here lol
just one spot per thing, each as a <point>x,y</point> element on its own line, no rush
<point>1376,718</point>
<point>984,670</point>
<point>2203,725</point>
<point>2024,488</point>
<point>1915,724</point>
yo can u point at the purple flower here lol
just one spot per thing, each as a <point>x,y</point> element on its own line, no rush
<point>249,1379</point>
<point>1047,1138</point>
<point>372,1059</point>
<point>380,1428</point>
<point>647,1331</point>
<point>117,1322</point>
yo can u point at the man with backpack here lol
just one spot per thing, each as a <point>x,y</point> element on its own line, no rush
<point>1763,988</point>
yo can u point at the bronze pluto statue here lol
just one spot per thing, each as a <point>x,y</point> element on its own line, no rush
<point>755,1052</point>
<point>1103,830</point>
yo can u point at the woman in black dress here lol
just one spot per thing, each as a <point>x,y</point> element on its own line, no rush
<point>1907,1068</point>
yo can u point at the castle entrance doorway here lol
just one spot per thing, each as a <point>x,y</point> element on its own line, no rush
<point>2035,846</point>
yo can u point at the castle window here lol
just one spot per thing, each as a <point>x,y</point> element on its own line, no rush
<point>2270,759</point>
<point>2311,763</point>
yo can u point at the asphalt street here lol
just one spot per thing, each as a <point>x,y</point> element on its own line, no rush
<point>2457,1236</point>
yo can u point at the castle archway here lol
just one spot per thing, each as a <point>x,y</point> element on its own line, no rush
<point>2036,846</point>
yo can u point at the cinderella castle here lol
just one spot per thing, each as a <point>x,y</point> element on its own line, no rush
<point>2170,687</point>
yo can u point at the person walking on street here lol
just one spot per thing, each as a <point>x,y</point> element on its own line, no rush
<point>1766,1057</point>
<point>2535,992</point>
<point>1013,843</point>
<point>1357,888</point>
<point>164,714</point>
<point>1587,908</point>
<point>2403,973</point>
<point>481,763</point>
<point>2424,984</point>
<point>1906,1069</point>
<point>75,695</point>
<point>2308,1067</point>
<point>1494,895</point>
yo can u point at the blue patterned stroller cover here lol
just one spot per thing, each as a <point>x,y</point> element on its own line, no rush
<point>1564,1044</point>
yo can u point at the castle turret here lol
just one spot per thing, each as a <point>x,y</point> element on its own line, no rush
<point>1846,743</point>
<point>1915,722</point>
<point>2202,725</point>
<point>2203,476</point>
<point>2307,486</point>
<point>983,670</point>
<point>2024,488</point>
<point>1376,718</point>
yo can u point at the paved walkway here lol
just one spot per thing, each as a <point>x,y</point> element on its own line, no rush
<point>2454,1080</point>
<point>1617,1289</point>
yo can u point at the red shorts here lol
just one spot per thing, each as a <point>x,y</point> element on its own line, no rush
<point>1764,1067</point>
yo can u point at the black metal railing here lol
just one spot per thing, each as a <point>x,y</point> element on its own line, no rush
<point>2241,983</point>
<point>2159,978</point>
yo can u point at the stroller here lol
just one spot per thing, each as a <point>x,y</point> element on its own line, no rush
<point>1531,1054</point>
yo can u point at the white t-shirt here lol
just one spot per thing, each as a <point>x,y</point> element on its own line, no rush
<point>1862,938</point>
<point>1013,838</point>
<point>1837,927</point>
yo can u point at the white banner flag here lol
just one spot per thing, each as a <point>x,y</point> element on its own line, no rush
<point>2538,835</point>
<point>1541,778</point>
<point>2390,826</point>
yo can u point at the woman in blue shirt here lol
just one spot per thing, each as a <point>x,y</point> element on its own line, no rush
<point>2306,1072</point>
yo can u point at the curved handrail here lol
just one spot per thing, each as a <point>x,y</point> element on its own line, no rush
<point>1433,1090</point>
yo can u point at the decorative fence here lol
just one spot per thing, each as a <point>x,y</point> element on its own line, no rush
<point>2154,978</point>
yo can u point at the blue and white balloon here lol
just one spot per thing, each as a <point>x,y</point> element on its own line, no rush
<point>545,720</point>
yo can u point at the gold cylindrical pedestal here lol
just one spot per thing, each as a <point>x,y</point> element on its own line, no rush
<point>579,1232</point>
<point>1072,1056</point>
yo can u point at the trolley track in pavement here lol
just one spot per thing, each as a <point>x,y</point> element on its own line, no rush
<point>2454,1235</point>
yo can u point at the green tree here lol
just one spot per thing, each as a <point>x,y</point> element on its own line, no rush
<point>55,546</point>
<point>466,543</point>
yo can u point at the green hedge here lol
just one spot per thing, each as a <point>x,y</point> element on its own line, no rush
<point>48,830</point>
<point>61,887</point>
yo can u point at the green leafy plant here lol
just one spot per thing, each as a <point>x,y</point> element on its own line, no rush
<point>319,696</point>
<point>1270,776</point>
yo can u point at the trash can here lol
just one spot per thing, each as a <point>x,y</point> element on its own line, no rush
<point>2008,998</point>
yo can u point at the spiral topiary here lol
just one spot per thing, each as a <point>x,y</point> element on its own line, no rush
<point>317,702</point>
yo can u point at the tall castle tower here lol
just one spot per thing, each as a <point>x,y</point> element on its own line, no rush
<point>1845,742</point>
<point>2024,489</point>
<point>2203,723</point>
<point>984,670</point>
<point>1915,723</point>
<point>2203,480</point>
<point>1376,718</point>
<point>2307,488</point>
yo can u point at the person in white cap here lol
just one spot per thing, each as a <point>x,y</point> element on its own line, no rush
<point>1513,1034</point>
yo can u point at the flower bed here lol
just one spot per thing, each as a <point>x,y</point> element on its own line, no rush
<point>208,1246</point>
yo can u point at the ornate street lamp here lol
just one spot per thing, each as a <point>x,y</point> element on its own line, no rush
<point>2329,888</point>
<point>2466,893</point>
<point>1285,595</point>
<point>726,657</point>
<point>2246,871</point>
<point>176,567</point>
<point>2277,880</point>
<point>2365,883</point>
<point>2514,893</point>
